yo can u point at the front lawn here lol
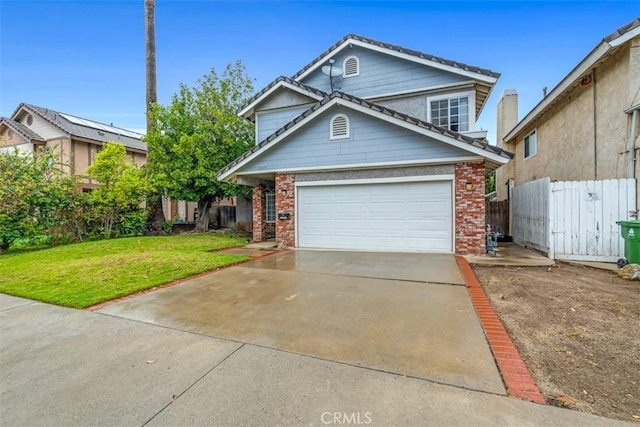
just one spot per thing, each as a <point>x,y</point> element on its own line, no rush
<point>89,273</point>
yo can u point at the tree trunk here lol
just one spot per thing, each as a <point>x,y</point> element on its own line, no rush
<point>204,205</point>
<point>156,214</point>
<point>150,54</point>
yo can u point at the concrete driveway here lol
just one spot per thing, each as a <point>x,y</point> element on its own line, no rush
<point>60,366</point>
<point>403,313</point>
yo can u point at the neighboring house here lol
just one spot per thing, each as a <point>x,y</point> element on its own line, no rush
<point>77,141</point>
<point>586,128</point>
<point>371,146</point>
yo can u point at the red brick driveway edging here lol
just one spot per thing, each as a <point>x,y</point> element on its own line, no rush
<point>517,378</point>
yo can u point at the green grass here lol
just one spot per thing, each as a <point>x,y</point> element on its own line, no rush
<point>89,273</point>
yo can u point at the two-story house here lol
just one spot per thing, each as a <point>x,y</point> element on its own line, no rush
<point>586,127</point>
<point>76,141</point>
<point>371,146</point>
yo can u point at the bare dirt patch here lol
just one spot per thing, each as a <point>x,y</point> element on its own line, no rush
<point>577,329</point>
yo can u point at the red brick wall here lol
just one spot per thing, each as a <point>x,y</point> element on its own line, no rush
<point>285,203</point>
<point>258,214</point>
<point>470,209</point>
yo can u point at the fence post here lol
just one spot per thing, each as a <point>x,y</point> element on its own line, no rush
<point>552,224</point>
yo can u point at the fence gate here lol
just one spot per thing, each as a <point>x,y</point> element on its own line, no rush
<point>497,214</point>
<point>530,214</point>
<point>573,220</point>
<point>584,215</point>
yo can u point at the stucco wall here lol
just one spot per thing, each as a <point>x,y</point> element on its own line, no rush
<point>571,144</point>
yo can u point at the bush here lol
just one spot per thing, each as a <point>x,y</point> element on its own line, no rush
<point>133,223</point>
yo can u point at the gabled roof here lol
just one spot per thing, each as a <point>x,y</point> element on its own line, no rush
<point>492,153</point>
<point>601,52</point>
<point>280,82</point>
<point>21,129</point>
<point>84,128</point>
<point>417,56</point>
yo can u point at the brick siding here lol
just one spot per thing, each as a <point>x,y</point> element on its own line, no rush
<point>285,203</point>
<point>259,223</point>
<point>470,209</point>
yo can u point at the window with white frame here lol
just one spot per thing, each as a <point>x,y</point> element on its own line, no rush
<point>270,206</point>
<point>451,113</point>
<point>339,127</point>
<point>531,144</point>
<point>351,67</point>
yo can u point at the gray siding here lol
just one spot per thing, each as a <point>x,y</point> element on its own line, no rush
<point>417,105</point>
<point>381,74</point>
<point>270,121</point>
<point>376,173</point>
<point>371,141</point>
<point>283,98</point>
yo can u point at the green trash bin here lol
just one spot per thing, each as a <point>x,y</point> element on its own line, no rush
<point>631,234</point>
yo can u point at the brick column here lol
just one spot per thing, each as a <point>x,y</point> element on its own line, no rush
<point>258,213</point>
<point>286,203</point>
<point>470,209</point>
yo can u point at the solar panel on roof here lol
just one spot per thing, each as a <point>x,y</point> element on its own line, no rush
<point>101,126</point>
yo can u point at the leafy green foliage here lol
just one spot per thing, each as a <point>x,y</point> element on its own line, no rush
<point>93,272</point>
<point>490,182</point>
<point>121,191</point>
<point>38,200</point>
<point>197,134</point>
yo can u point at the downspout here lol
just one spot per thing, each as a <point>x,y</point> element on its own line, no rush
<point>595,128</point>
<point>632,144</point>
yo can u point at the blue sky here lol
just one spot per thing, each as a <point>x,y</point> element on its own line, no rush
<point>87,57</point>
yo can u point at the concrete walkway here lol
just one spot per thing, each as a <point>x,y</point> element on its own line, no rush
<point>512,255</point>
<point>75,368</point>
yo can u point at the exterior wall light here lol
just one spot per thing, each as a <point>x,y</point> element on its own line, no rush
<point>283,192</point>
<point>469,185</point>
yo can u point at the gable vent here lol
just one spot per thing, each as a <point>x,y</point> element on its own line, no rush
<point>339,127</point>
<point>351,66</point>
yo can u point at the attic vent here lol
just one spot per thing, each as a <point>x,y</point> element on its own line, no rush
<point>29,119</point>
<point>351,66</point>
<point>339,127</point>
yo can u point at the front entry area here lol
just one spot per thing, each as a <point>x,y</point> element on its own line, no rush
<point>392,216</point>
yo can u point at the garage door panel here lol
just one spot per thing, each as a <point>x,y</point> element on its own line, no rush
<point>414,216</point>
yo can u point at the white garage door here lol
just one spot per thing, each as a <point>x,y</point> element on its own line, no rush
<point>412,216</point>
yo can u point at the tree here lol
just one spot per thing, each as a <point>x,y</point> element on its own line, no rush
<point>35,196</point>
<point>156,217</point>
<point>122,186</point>
<point>490,182</point>
<point>196,135</point>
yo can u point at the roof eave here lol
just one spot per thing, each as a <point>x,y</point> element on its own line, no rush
<point>352,41</point>
<point>247,112</point>
<point>577,73</point>
<point>225,175</point>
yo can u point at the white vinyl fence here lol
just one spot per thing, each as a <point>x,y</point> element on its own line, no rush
<point>573,220</point>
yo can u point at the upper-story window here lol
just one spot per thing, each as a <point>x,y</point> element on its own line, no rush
<point>339,127</point>
<point>451,113</point>
<point>351,66</point>
<point>531,144</point>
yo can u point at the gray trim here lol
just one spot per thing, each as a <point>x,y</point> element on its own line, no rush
<point>376,173</point>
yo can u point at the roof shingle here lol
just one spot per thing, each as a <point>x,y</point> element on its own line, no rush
<point>375,107</point>
<point>86,131</point>
<point>400,49</point>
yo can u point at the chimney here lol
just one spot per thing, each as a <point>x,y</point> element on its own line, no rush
<point>507,115</point>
